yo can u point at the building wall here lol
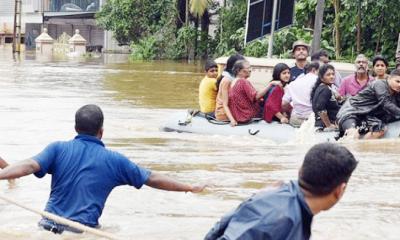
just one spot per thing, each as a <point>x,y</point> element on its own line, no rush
<point>32,20</point>
<point>30,14</point>
<point>87,28</point>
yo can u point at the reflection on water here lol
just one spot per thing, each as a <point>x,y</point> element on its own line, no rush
<point>38,102</point>
<point>156,84</point>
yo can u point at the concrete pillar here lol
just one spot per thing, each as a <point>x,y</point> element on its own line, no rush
<point>77,44</point>
<point>44,43</point>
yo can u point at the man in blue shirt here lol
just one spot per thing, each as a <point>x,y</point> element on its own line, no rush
<point>286,212</point>
<point>300,51</point>
<point>84,173</point>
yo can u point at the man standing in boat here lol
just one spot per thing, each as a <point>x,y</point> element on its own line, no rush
<point>300,52</point>
<point>84,173</point>
<point>286,212</point>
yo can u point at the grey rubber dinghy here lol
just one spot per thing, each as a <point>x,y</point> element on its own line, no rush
<point>192,122</point>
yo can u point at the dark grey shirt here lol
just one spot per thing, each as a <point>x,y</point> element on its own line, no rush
<point>374,100</point>
<point>280,214</point>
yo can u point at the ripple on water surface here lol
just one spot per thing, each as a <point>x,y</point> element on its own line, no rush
<point>38,102</point>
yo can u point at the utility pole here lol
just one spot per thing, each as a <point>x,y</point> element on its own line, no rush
<point>319,16</point>
<point>271,36</point>
<point>398,52</point>
<point>359,26</point>
<point>17,27</point>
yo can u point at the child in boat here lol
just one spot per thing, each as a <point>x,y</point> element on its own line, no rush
<point>369,111</point>
<point>208,88</point>
<point>273,98</point>
<point>287,210</point>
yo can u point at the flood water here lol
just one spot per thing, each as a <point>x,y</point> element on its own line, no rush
<point>38,99</point>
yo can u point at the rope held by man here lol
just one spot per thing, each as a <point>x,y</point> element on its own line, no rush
<point>62,220</point>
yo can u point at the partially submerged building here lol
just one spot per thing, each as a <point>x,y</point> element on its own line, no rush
<point>58,16</point>
<point>31,14</point>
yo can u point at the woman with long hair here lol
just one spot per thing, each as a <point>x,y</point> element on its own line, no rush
<point>273,98</point>
<point>222,111</point>
<point>324,103</point>
<point>244,99</point>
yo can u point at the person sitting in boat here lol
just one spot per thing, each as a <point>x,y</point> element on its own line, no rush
<point>324,100</point>
<point>297,95</point>
<point>273,98</point>
<point>371,109</point>
<point>208,88</point>
<point>285,211</point>
<point>244,99</point>
<point>300,50</point>
<point>222,111</point>
<point>380,66</point>
<point>322,57</point>
<point>354,83</point>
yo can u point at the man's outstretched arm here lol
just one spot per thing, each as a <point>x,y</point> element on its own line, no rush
<point>159,181</point>
<point>20,169</point>
<point>3,163</point>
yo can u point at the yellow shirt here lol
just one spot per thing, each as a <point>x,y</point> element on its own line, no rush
<point>207,94</point>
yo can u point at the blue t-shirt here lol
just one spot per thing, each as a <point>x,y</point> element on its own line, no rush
<point>83,174</point>
<point>295,72</point>
<point>279,214</point>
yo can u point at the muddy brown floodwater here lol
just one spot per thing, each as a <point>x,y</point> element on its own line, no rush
<point>38,99</point>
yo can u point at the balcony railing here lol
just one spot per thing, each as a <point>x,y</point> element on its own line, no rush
<point>74,6</point>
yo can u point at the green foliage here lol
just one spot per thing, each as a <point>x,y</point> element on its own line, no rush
<point>149,26</point>
<point>198,7</point>
<point>230,33</point>
<point>257,48</point>
<point>184,42</point>
<point>371,26</point>
<point>145,49</point>
<point>131,20</point>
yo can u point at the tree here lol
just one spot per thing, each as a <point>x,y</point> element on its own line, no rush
<point>316,43</point>
<point>131,20</point>
<point>198,7</point>
<point>336,4</point>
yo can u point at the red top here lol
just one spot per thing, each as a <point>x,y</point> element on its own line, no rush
<point>273,104</point>
<point>242,101</point>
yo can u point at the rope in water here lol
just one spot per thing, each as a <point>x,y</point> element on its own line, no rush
<point>62,220</point>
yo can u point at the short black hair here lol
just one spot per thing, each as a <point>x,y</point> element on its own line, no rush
<point>395,72</point>
<point>231,62</point>
<point>323,53</point>
<point>278,69</point>
<point>210,64</point>
<point>326,166</point>
<point>89,120</point>
<point>310,66</point>
<point>318,54</point>
<point>380,58</point>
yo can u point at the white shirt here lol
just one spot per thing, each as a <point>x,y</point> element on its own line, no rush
<point>298,94</point>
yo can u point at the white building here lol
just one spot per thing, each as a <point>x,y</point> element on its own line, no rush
<point>31,13</point>
<point>57,16</point>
